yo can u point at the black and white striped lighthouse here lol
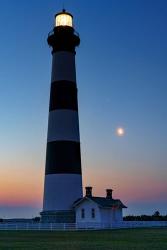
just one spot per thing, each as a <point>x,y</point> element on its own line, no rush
<point>63,177</point>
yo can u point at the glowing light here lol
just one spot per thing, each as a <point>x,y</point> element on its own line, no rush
<point>64,19</point>
<point>120,131</point>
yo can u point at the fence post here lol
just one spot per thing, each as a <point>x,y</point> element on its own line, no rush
<point>51,227</point>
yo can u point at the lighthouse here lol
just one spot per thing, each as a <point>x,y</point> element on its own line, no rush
<point>63,175</point>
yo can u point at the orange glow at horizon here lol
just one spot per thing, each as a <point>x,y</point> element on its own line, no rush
<point>21,188</point>
<point>24,186</point>
<point>131,187</point>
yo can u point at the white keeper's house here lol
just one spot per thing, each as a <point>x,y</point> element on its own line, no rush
<point>91,210</point>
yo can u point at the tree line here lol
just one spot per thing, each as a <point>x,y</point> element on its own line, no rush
<point>155,217</point>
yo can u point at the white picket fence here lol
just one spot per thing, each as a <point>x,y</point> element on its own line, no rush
<point>38,226</point>
<point>80,226</point>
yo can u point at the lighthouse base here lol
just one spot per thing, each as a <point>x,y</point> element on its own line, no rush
<point>64,216</point>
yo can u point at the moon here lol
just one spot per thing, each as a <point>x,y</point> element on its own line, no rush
<point>120,131</point>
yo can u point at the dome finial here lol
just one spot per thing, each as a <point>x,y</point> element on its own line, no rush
<point>64,10</point>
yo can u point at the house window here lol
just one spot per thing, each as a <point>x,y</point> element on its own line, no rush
<point>82,213</point>
<point>93,213</point>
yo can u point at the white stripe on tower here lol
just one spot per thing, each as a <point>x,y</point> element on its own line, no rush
<point>64,185</point>
<point>69,129</point>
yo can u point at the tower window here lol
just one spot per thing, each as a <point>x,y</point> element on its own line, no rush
<point>82,213</point>
<point>93,213</point>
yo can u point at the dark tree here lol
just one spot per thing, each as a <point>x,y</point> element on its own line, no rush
<point>156,214</point>
<point>36,219</point>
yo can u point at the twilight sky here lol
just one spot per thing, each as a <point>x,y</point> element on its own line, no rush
<point>122,81</point>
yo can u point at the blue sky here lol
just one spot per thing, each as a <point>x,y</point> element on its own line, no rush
<point>121,75</point>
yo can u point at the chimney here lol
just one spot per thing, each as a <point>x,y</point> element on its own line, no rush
<point>88,191</point>
<point>109,193</point>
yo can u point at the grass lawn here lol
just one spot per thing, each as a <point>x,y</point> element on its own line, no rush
<point>124,239</point>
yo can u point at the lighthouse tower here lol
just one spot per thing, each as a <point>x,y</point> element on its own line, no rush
<point>63,177</point>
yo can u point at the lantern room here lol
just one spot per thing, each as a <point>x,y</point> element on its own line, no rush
<point>64,19</point>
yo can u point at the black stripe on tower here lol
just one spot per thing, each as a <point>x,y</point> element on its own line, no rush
<point>63,95</point>
<point>63,157</point>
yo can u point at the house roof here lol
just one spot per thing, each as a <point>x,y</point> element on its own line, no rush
<point>101,202</point>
